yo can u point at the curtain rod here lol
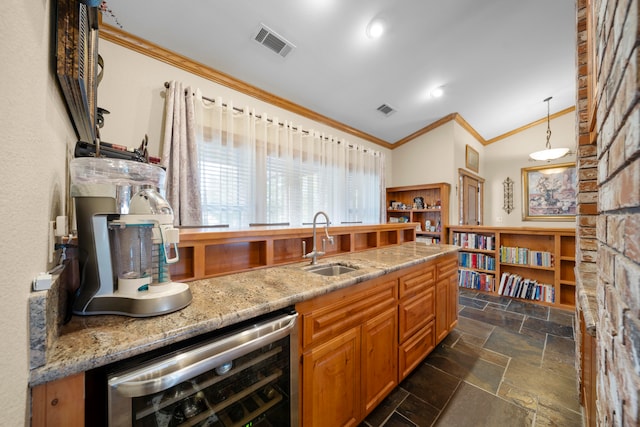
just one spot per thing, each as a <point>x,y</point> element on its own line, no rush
<point>257,116</point>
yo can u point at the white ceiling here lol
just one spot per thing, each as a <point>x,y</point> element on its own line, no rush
<point>497,59</point>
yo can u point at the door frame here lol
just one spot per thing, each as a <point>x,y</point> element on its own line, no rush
<point>462,173</point>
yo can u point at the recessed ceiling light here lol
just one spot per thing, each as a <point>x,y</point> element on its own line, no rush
<point>375,28</point>
<point>437,92</point>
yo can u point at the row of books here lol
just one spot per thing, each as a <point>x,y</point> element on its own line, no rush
<point>475,260</point>
<point>474,280</point>
<point>428,240</point>
<point>525,256</point>
<point>513,285</point>
<point>474,241</point>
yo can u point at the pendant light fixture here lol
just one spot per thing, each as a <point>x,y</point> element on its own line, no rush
<point>549,153</point>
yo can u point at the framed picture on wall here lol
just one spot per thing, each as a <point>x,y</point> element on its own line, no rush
<point>549,192</point>
<point>77,63</point>
<point>472,159</point>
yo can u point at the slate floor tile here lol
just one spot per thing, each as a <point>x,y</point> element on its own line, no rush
<point>505,364</point>
<point>472,406</point>
<point>379,415</point>
<point>468,367</point>
<point>492,316</point>
<point>431,385</point>
<point>420,413</point>
<point>529,309</point>
<point>549,327</point>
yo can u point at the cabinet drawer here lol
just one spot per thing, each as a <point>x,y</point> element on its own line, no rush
<point>329,315</point>
<point>416,349</point>
<point>417,281</point>
<point>446,267</point>
<point>416,312</point>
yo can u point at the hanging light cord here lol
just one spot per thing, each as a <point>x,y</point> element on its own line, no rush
<point>548,123</point>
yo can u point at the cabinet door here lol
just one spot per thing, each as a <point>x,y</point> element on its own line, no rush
<point>415,349</point>
<point>59,403</point>
<point>416,312</point>
<point>379,358</point>
<point>452,309</point>
<point>331,382</point>
<point>442,309</point>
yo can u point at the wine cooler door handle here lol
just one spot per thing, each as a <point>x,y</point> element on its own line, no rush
<point>193,361</point>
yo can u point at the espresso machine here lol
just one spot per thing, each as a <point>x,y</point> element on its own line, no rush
<point>126,239</point>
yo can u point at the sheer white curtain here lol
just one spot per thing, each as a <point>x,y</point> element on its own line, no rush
<point>260,169</point>
<point>179,156</point>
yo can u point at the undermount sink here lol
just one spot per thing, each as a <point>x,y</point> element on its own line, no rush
<point>331,269</point>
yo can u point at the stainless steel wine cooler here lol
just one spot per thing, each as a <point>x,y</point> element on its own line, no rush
<point>247,377</point>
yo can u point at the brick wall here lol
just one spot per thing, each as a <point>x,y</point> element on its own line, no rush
<point>617,153</point>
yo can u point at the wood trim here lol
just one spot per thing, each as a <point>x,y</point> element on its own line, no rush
<point>144,47</point>
<point>446,119</point>
<point>465,172</point>
<point>530,125</point>
<point>462,122</point>
<point>147,48</point>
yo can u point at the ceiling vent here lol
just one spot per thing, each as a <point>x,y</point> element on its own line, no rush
<point>274,41</point>
<point>386,109</point>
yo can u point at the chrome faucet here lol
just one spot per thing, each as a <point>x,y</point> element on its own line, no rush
<point>314,254</point>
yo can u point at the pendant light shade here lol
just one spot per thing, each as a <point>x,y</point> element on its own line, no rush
<point>549,153</point>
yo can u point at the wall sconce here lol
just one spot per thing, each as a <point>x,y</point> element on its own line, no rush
<point>507,204</point>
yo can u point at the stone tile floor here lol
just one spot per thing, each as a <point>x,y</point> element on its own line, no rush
<point>507,363</point>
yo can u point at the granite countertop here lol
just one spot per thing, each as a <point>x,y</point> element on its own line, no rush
<point>92,341</point>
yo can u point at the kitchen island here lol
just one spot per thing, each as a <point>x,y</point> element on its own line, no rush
<point>86,343</point>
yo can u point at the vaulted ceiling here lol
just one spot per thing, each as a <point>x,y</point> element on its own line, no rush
<point>496,60</point>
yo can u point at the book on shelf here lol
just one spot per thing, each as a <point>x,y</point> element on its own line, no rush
<point>474,241</point>
<point>476,260</point>
<point>525,256</point>
<point>514,285</point>
<point>476,280</point>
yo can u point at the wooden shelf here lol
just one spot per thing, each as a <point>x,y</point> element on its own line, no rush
<point>215,252</point>
<point>559,243</point>
<point>433,195</point>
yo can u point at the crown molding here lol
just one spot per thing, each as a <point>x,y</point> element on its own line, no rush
<point>147,48</point>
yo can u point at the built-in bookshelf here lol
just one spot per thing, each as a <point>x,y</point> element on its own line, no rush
<point>424,204</point>
<point>534,264</point>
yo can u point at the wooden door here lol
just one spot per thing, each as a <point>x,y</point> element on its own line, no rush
<point>59,403</point>
<point>471,204</point>
<point>452,309</point>
<point>331,382</point>
<point>379,358</point>
<point>442,302</point>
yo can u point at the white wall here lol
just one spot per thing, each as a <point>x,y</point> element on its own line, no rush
<point>132,89</point>
<point>507,157</point>
<point>36,134</point>
<point>427,159</point>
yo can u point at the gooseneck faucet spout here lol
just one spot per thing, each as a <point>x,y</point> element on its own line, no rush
<point>314,254</point>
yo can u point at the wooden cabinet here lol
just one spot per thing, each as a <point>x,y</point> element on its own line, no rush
<point>59,403</point>
<point>588,374</point>
<point>446,297</point>
<point>358,343</point>
<point>349,350</point>
<point>536,264</point>
<point>331,388</point>
<point>379,368</point>
<point>433,213</point>
<point>416,314</point>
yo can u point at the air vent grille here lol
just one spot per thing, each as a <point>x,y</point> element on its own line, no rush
<point>272,40</point>
<point>386,109</point>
